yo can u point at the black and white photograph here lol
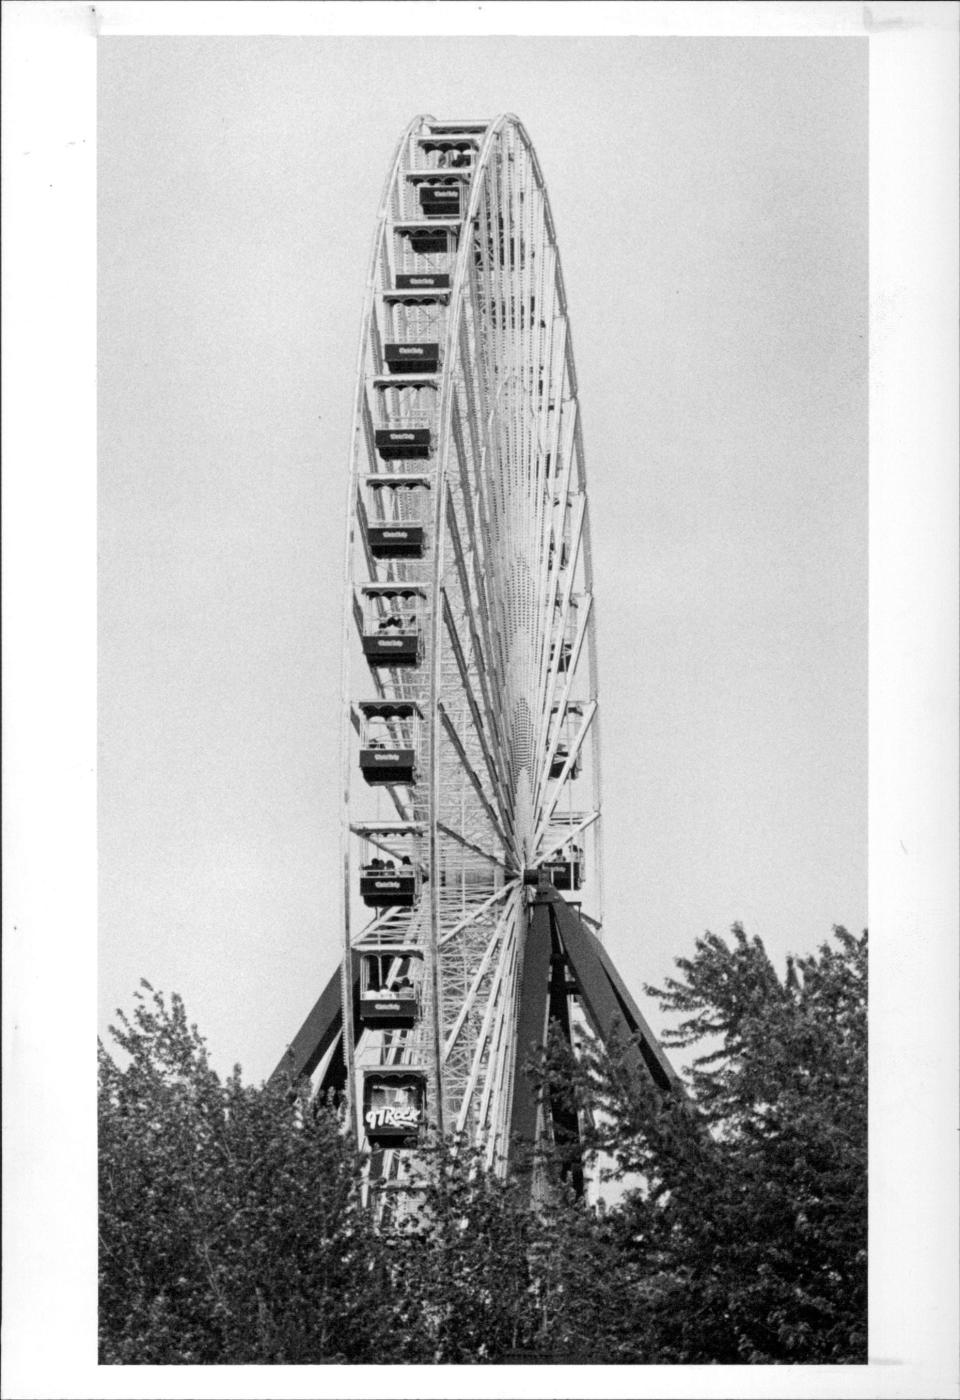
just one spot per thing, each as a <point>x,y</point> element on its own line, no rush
<point>515,674</point>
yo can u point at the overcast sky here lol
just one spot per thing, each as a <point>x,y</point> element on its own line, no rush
<point>710,198</point>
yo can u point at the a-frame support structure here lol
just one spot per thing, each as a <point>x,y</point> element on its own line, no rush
<point>562,957</point>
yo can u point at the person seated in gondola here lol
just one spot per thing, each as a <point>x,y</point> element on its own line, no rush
<point>405,988</point>
<point>390,624</point>
<point>376,864</point>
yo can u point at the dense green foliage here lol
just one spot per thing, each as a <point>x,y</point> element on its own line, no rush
<point>232,1231</point>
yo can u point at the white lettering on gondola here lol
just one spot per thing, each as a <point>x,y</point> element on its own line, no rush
<point>393,1116</point>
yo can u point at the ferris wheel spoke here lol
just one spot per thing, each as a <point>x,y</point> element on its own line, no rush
<point>551,701</point>
<point>561,605</point>
<point>468,845</point>
<point>498,777</point>
<point>484,651</point>
<point>563,443</point>
<point>490,1034</point>
<point>467,457</point>
<point>479,912</point>
<point>573,743</point>
<point>467,505</point>
<point>473,1055</point>
<point>479,534</point>
<point>469,1000</point>
<point>500,1015</point>
<point>560,782</point>
<point>471,385</point>
<point>564,830</point>
<point>457,742</point>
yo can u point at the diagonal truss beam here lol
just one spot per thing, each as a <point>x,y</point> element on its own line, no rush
<point>470,845</point>
<point>496,778</point>
<point>318,1032</point>
<point>575,747</point>
<point>606,999</point>
<point>476,913</point>
<point>452,734</point>
<point>481,972</point>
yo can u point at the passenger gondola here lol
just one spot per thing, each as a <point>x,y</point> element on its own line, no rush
<point>394,1103</point>
<point>389,741</point>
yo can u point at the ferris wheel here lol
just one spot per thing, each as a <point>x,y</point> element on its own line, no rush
<point>471,897</point>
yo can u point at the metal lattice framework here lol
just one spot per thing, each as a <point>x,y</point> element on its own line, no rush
<point>469,657</point>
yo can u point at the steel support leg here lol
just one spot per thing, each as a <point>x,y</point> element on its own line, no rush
<point>608,1003</point>
<point>558,947</point>
<point>317,1034</point>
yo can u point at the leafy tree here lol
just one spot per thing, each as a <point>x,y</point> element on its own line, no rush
<point>463,1268</point>
<point>747,1240</point>
<point>231,1228</point>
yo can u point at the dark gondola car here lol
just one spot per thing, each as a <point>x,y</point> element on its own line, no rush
<point>566,873</point>
<point>398,540</point>
<point>397,509</point>
<point>427,242</point>
<point>423,281</point>
<point>391,758</point>
<point>397,444</point>
<point>389,649</point>
<point>388,1001</point>
<point>384,888</point>
<point>381,766</point>
<point>394,1100</point>
<point>420,357</point>
<point>440,201</point>
<point>389,863</point>
<point>392,638</point>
